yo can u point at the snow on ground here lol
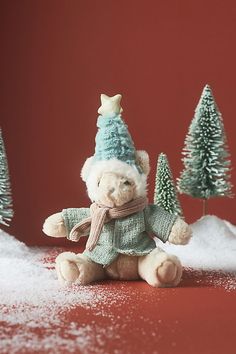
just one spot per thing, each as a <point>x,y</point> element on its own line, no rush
<point>212,246</point>
<point>25,278</point>
<point>31,298</point>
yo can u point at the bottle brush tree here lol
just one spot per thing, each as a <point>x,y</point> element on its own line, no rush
<point>207,165</point>
<point>165,194</point>
<point>6,212</point>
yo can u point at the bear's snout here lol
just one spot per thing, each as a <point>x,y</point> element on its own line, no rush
<point>114,190</point>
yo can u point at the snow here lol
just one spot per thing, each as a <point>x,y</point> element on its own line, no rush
<point>26,279</point>
<point>212,246</point>
<point>32,299</point>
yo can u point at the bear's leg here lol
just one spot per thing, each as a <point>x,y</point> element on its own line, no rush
<point>123,268</point>
<point>77,268</point>
<point>160,269</point>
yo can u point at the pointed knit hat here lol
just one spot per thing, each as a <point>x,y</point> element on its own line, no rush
<point>113,140</point>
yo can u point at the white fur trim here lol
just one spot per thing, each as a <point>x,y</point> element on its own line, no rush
<point>86,168</point>
<point>119,167</point>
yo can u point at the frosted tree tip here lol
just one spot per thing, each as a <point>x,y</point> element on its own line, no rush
<point>162,156</point>
<point>207,88</point>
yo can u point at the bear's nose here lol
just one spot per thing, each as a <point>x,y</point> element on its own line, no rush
<point>111,190</point>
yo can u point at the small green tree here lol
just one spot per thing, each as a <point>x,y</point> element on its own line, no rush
<point>206,161</point>
<point>6,212</point>
<point>165,194</point>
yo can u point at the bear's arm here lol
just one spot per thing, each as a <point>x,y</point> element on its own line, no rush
<point>73,216</point>
<point>158,221</point>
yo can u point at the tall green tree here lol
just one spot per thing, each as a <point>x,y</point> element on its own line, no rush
<point>206,172</point>
<point>6,212</point>
<point>165,194</point>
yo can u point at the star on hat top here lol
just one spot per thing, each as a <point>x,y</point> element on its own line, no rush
<point>110,105</point>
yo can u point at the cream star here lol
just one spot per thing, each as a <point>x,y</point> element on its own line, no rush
<point>110,105</point>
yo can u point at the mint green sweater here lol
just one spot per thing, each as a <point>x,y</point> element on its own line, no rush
<point>129,235</point>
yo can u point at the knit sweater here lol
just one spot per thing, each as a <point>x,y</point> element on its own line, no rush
<point>129,235</point>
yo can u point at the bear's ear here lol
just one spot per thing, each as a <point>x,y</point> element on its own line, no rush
<point>86,168</point>
<point>143,161</point>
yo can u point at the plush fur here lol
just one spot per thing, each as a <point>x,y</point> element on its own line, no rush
<point>119,169</point>
<point>142,159</point>
<point>158,269</point>
<point>114,183</point>
<point>181,233</point>
<point>54,226</point>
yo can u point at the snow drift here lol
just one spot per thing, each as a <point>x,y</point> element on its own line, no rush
<point>212,246</point>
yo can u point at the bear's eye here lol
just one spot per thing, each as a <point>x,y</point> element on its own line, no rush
<point>127,183</point>
<point>98,183</point>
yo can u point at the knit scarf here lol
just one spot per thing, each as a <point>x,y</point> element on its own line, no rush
<point>101,214</point>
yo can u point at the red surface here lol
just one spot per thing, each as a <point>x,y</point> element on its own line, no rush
<point>184,320</point>
<point>197,317</point>
<point>58,56</point>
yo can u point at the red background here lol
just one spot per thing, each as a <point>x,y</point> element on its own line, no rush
<point>56,59</point>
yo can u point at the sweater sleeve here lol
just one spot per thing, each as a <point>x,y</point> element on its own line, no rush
<point>159,221</point>
<point>73,216</point>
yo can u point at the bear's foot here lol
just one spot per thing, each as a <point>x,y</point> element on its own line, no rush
<point>167,272</point>
<point>67,272</point>
<point>67,269</point>
<point>160,269</point>
<point>72,268</point>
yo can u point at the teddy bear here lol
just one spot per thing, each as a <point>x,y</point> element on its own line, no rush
<point>120,224</point>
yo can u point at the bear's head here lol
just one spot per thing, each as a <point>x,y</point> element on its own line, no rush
<point>117,173</point>
<point>114,182</point>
